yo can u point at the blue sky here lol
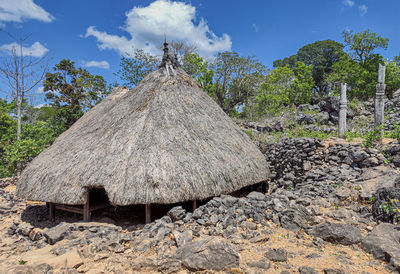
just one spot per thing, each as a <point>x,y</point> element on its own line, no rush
<point>94,33</point>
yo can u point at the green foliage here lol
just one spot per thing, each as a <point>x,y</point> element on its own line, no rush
<point>372,200</point>
<point>22,262</point>
<point>236,79</point>
<point>72,91</point>
<point>34,139</point>
<point>285,87</point>
<point>371,138</point>
<point>321,55</point>
<point>249,133</point>
<point>350,135</point>
<point>394,134</point>
<point>392,77</point>
<point>134,68</point>
<point>363,44</point>
<point>392,208</point>
<point>196,67</point>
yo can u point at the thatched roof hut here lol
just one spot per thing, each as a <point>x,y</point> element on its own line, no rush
<point>165,141</point>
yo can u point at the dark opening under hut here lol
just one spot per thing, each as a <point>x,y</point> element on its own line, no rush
<point>163,142</point>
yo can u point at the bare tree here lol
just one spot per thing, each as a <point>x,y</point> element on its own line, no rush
<point>21,73</point>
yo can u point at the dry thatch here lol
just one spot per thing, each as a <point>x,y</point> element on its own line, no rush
<point>165,141</point>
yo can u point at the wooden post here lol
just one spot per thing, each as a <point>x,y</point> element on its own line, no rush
<point>380,98</point>
<point>342,110</point>
<point>194,204</point>
<point>86,208</point>
<point>52,211</point>
<point>148,213</point>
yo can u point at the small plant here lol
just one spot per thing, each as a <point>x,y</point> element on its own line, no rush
<point>372,200</point>
<point>337,185</point>
<point>249,133</point>
<point>22,262</point>
<point>358,188</point>
<point>372,137</point>
<point>289,187</point>
<point>350,135</point>
<point>392,208</point>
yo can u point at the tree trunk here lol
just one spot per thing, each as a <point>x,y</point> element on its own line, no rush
<point>19,103</point>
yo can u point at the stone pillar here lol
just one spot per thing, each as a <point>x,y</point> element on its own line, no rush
<point>379,97</point>
<point>342,110</point>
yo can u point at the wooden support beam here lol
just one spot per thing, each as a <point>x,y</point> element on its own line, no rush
<point>52,211</point>
<point>194,204</point>
<point>148,213</point>
<point>86,208</point>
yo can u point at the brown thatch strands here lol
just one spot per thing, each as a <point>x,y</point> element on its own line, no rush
<point>165,141</point>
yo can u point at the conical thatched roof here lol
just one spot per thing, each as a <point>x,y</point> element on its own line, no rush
<point>165,141</point>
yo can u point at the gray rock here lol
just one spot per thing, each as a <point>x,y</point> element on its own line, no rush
<point>307,270</point>
<point>276,255</point>
<point>294,220</point>
<point>183,238</point>
<point>337,233</point>
<point>359,156</point>
<point>177,213</point>
<point>333,271</point>
<point>208,254</point>
<point>374,178</point>
<point>384,244</point>
<point>262,264</point>
<point>57,233</point>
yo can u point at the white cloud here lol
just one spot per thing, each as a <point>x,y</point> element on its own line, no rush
<point>146,27</point>
<point>348,3</point>
<point>97,64</point>
<point>363,9</point>
<point>18,10</point>
<point>40,90</point>
<point>36,50</point>
<point>255,27</point>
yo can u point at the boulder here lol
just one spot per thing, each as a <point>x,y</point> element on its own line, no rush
<point>57,233</point>
<point>177,213</point>
<point>384,244</point>
<point>209,253</point>
<point>337,233</point>
<point>276,255</point>
<point>373,178</point>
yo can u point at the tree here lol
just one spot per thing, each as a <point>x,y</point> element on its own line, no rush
<point>236,79</point>
<point>396,59</point>
<point>321,55</point>
<point>22,74</point>
<point>199,69</point>
<point>285,87</point>
<point>134,68</point>
<point>363,44</point>
<point>392,78</point>
<point>73,91</point>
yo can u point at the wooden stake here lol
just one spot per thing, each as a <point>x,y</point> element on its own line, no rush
<point>52,211</point>
<point>194,204</point>
<point>86,208</point>
<point>148,213</point>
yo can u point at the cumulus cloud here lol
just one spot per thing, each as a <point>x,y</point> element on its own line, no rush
<point>36,50</point>
<point>97,64</point>
<point>363,9</point>
<point>255,27</point>
<point>348,3</point>
<point>19,10</point>
<point>146,27</point>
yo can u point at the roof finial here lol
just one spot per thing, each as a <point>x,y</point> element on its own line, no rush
<point>169,60</point>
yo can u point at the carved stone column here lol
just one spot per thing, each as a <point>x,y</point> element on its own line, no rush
<point>380,97</point>
<point>342,110</point>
